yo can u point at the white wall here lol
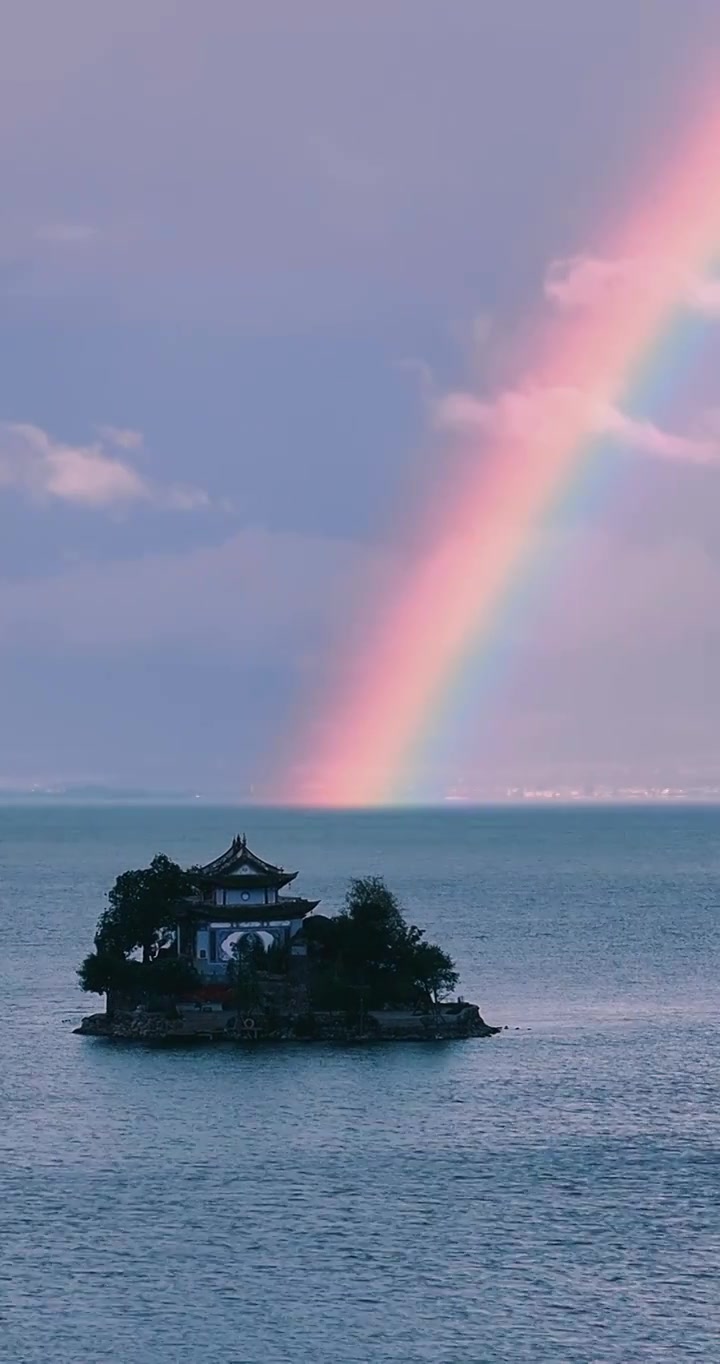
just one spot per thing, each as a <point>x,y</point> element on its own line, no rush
<point>251,896</point>
<point>202,942</point>
<point>245,897</point>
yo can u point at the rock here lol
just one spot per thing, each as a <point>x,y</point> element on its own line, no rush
<point>445,1023</point>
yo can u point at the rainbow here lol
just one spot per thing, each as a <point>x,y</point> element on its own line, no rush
<point>454,599</point>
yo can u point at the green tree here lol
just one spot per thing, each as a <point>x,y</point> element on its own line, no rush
<point>434,974</point>
<point>369,956</point>
<point>104,971</point>
<point>142,908</point>
<point>372,942</point>
<point>164,975</point>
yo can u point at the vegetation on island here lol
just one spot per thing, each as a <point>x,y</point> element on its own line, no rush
<point>370,957</point>
<point>365,957</point>
<point>135,933</point>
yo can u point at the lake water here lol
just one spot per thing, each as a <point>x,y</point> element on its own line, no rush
<point>550,1195</point>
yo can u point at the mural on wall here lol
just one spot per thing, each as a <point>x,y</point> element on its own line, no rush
<point>253,934</point>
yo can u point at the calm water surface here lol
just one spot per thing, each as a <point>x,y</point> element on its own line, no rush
<point>551,1195</point>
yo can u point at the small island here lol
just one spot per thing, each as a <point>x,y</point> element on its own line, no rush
<point>218,953</point>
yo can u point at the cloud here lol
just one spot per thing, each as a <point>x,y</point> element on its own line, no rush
<point>34,463</point>
<point>583,281</point>
<point>650,439</point>
<point>66,233</point>
<point>703,295</point>
<point>124,437</point>
<point>542,416</point>
<point>286,589</point>
<point>31,461</point>
<point>181,497</point>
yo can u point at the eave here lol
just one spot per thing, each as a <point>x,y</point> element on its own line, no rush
<point>204,913</point>
<point>248,880</point>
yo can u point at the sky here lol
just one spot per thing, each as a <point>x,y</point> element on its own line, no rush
<point>251,259</point>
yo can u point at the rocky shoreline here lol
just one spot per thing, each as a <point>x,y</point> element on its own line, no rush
<point>448,1022</point>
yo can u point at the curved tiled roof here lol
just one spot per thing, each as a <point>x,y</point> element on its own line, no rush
<point>238,860</point>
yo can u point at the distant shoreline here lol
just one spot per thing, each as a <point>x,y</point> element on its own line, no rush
<point>12,799</point>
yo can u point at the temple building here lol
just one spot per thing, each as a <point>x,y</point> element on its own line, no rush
<point>239,900</point>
